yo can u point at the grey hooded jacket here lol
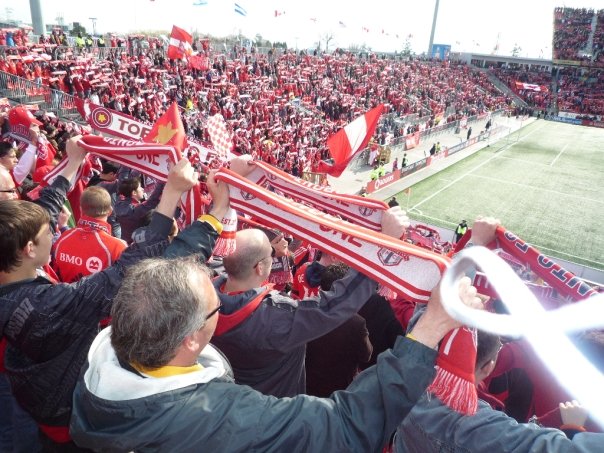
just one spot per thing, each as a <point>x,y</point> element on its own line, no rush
<point>116,410</point>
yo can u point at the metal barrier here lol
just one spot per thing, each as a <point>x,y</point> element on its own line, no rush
<point>72,52</point>
<point>400,141</point>
<point>23,91</point>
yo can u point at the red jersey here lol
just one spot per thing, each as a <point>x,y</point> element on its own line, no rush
<point>301,288</point>
<point>85,250</point>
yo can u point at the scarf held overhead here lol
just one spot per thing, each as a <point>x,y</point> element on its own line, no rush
<point>403,267</point>
<point>365,212</point>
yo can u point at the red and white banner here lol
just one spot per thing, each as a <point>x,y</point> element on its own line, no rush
<point>531,87</point>
<point>120,125</point>
<point>412,140</point>
<point>199,62</point>
<point>180,44</point>
<point>220,136</point>
<point>345,144</point>
<point>445,153</point>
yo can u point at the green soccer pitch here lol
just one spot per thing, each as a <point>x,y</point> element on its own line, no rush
<point>544,182</point>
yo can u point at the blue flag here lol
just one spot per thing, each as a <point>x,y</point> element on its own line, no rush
<point>240,10</point>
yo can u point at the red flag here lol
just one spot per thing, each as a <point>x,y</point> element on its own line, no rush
<point>199,62</point>
<point>180,44</point>
<point>351,140</point>
<point>168,130</point>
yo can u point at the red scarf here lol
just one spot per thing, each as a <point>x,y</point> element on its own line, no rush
<point>95,224</point>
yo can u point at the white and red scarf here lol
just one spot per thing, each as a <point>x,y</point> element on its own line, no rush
<point>403,267</point>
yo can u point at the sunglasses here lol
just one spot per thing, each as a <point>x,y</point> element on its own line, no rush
<point>213,312</point>
<point>8,191</point>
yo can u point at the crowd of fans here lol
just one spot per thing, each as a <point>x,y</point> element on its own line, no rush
<point>572,27</point>
<point>152,380</point>
<point>266,351</point>
<point>281,107</point>
<point>538,98</point>
<point>581,91</point>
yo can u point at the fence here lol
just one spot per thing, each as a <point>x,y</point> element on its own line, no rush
<point>23,91</point>
<point>400,141</point>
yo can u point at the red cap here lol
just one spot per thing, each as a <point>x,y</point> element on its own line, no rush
<point>20,116</point>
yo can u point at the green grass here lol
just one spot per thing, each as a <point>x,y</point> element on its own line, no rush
<point>544,182</point>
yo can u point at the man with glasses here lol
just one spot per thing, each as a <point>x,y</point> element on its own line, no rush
<point>154,383</point>
<point>49,326</point>
<point>264,333</point>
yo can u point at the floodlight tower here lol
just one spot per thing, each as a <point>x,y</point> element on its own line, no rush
<point>36,17</point>
<point>93,19</point>
<point>433,28</point>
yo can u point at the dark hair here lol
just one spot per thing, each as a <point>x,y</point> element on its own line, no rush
<point>5,149</point>
<point>20,222</point>
<point>110,167</point>
<point>332,273</point>
<point>127,186</point>
<point>158,304</point>
<point>488,346</point>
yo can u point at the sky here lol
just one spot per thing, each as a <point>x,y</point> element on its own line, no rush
<point>467,25</point>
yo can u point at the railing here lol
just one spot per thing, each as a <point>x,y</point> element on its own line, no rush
<point>400,141</point>
<point>71,52</point>
<point>23,91</point>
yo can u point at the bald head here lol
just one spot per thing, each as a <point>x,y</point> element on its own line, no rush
<point>251,247</point>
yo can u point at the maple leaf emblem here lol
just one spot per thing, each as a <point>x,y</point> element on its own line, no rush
<point>165,133</point>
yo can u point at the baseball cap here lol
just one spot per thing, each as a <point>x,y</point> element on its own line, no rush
<point>21,116</point>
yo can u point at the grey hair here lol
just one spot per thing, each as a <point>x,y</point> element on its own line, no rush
<point>154,310</point>
<point>250,247</point>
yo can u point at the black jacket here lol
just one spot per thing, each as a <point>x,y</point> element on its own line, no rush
<point>49,327</point>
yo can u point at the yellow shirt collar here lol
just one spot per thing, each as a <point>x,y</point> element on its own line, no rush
<point>166,371</point>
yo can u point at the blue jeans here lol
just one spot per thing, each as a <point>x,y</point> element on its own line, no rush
<point>18,431</point>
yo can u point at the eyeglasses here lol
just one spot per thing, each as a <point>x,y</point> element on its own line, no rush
<point>14,190</point>
<point>265,258</point>
<point>213,312</point>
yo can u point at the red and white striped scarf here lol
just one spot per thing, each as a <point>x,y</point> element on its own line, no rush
<point>403,267</point>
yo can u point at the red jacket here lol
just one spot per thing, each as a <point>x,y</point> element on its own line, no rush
<point>301,288</point>
<point>85,250</point>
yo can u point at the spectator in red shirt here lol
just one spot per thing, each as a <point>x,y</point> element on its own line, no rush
<point>88,248</point>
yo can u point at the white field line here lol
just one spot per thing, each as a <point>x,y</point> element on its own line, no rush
<point>434,218</point>
<point>505,181</point>
<point>559,154</point>
<point>477,167</point>
<point>523,161</point>
<point>537,246</point>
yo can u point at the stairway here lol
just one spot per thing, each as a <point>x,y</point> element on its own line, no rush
<point>589,48</point>
<point>504,88</point>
